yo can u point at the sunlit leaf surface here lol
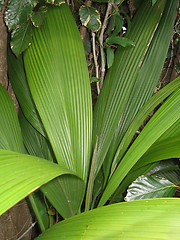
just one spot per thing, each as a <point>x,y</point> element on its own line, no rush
<point>142,220</point>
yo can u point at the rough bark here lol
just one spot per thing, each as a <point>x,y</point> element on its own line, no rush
<point>15,222</point>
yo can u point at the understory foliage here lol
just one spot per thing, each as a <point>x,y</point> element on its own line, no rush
<point>68,157</point>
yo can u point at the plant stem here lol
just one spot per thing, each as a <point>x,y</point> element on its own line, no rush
<point>103,60</point>
<point>95,59</point>
<point>91,179</point>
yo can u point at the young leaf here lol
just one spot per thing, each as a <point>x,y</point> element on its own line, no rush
<point>142,220</point>
<point>37,17</point>
<point>90,18</point>
<point>110,56</point>
<point>150,187</point>
<point>21,38</point>
<point>18,12</point>
<point>124,42</point>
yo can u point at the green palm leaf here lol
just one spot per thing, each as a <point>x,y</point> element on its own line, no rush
<point>58,78</point>
<point>64,193</point>
<point>142,220</point>
<point>22,174</point>
<point>147,78</point>
<point>123,73</point>
<point>142,114</point>
<point>10,132</point>
<point>19,83</point>
<point>166,147</point>
<point>164,118</point>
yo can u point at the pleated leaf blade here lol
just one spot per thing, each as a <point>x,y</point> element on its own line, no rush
<point>58,78</point>
<point>64,193</point>
<point>143,219</point>
<point>10,132</point>
<point>148,75</point>
<point>22,174</point>
<point>121,77</point>
<point>165,117</point>
<point>19,83</point>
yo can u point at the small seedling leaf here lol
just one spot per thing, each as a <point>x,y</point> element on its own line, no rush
<point>21,38</point>
<point>90,18</point>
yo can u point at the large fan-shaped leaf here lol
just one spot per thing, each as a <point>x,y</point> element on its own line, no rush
<point>142,114</point>
<point>142,220</point>
<point>166,147</point>
<point>22,174</point>
<point>164,118</point>
<point>58,78</point>
<point>122,76</point>
<point>10,132</point>
<point>149,72</point>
